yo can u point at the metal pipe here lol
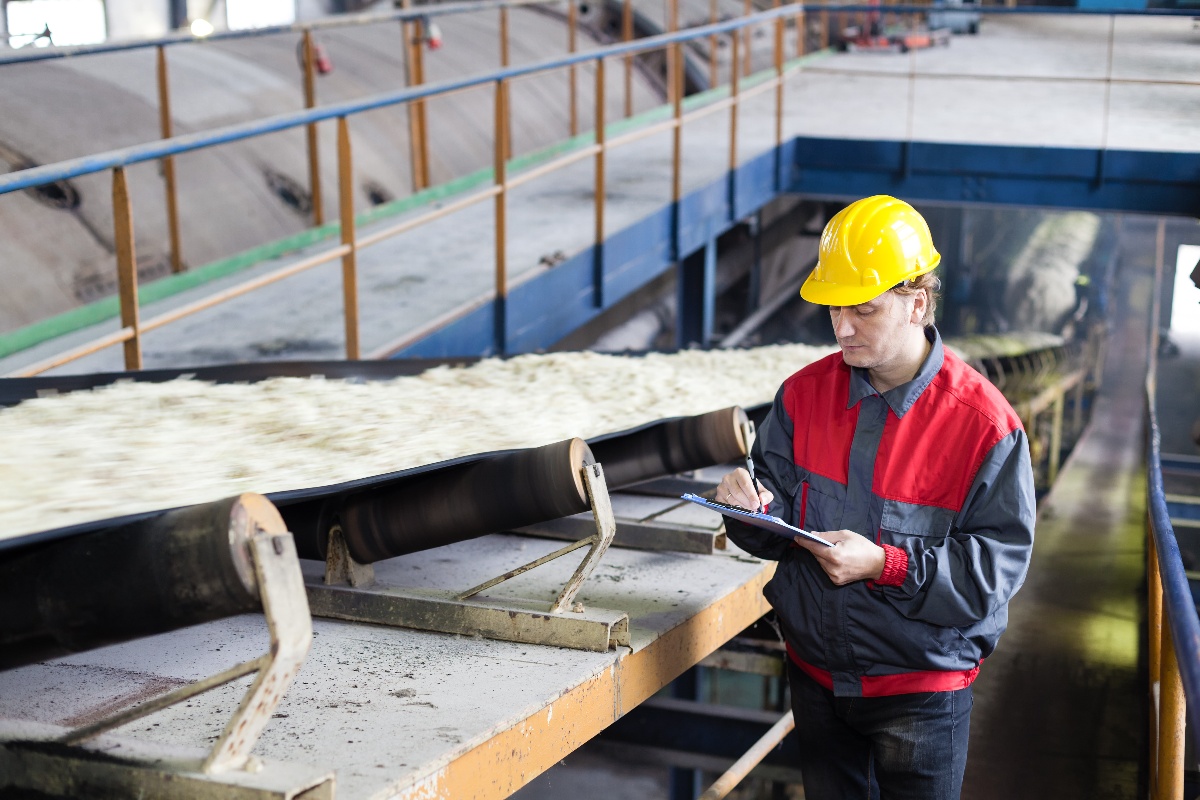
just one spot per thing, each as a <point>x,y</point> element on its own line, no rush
<point>1154,609</point>
<point>314,156</point>
<point>1171,725</point>
<point>748,34</point>
<point>599,196</point>
<point>174,569</point>
<point>573,69</point>
<point>627,36</point>
<point>741,768</point>
<point>294,268</point>
<point>504,56</point>
<point>418,126</point>
<point>168,162</point>
<point>779,59</point>
<point>350,259</point>
<point>127,277</point>
<point>714,76</point>
<point>95,346</point>
<point>499,166</point>
<point>733,109</point>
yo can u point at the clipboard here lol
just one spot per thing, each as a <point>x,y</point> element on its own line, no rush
<point>756,518</point>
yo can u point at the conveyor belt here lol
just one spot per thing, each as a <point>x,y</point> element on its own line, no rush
<point>179,567</point>
<point>516,488</point>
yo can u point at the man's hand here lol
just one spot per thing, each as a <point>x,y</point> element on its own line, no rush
<point>736,489</point>
<point>852,558</point>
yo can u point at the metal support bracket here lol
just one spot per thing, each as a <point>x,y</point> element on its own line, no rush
<point>62,759</point>
<point>565,623</point>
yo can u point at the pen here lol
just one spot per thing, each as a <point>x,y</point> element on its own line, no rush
<point>748,440</point>
<point>753,479</point>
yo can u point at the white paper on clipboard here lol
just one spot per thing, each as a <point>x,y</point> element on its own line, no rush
<point>757,519</point>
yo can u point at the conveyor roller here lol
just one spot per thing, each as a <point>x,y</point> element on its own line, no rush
<point>180,568</point>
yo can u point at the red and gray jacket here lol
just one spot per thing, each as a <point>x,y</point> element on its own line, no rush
<point>937,472</point>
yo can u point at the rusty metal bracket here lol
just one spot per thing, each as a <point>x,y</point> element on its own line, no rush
<point>285,605</point>
<point>565,624</point>
<point>340,566</point>
<point>152,769</point>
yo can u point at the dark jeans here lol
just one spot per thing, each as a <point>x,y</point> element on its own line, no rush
<point>903,747</point>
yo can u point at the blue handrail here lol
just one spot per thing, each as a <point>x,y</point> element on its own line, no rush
<point>152,151</point>
<point>1178,605</point>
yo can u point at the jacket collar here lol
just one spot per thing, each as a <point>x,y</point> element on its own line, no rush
<point>901,398</point>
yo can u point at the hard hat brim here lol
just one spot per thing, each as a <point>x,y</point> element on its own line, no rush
<point>832,294</point>
<point>823,293</point>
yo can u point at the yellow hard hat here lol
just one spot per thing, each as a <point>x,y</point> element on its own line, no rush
<point>870,246</point>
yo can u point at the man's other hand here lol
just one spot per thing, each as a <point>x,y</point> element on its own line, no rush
<point>737,489</point>
<point>852,558</point>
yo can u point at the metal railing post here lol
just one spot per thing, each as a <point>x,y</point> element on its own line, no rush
<point>127,277</point>
<point>714,74</point>
<point>676,58</point>
<point>504,56</point>
<point>1056,426</point>
<point>349,238</point>
<point>672,66</point>
<point>801,32</point>
<point>627,36</point>
<point>314,157</point>
<point>168,162</point>
<point>573,70</point>
<point>418,129</point>
<point>501,203</point>
<point>600,200</point>
<point>1154,609</point>
<point>779,31</point>
<point>733,107</point>
<point>748,33</point>
<point>1171,723</point>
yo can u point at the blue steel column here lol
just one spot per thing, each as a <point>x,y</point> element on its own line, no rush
<point>685,784</point>
<point>696,296</point>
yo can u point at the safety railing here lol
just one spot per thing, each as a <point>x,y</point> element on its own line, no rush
<point>133,327</point>
<point>416,32</point>
<point>1174,626</point>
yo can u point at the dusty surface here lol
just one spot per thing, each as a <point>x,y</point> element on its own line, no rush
<point>388,708</point>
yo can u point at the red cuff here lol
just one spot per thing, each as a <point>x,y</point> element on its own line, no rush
<point>895,566</point>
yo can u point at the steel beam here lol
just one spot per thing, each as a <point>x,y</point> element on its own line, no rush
<point>1054,177</point>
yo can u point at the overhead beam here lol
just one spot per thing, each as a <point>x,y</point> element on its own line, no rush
<point>1153,182</point>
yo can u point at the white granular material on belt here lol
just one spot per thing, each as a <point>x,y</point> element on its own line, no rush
<point>133,447</point>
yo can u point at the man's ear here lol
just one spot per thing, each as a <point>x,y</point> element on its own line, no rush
<point>920,303</point>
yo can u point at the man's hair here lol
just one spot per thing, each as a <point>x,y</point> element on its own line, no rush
<point>932,284</point>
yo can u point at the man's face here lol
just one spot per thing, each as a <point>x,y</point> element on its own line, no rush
<point>872,335</point>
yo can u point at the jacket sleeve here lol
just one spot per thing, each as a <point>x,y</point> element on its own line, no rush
<point>775,470</point>
<point>966,576</point>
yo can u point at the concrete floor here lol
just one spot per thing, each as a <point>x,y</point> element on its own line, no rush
<point>407,281</point>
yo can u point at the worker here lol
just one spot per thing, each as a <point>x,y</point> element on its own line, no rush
<point>917,470</point>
